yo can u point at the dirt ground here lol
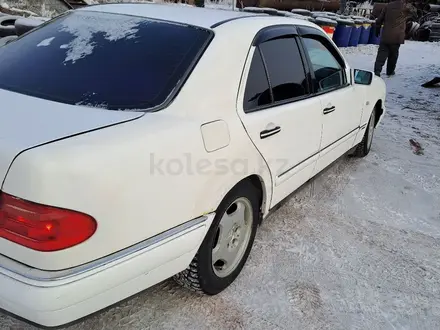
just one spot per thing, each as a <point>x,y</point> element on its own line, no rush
<point>357,248</point>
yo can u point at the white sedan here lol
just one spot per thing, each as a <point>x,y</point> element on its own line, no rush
<point>141,141</point>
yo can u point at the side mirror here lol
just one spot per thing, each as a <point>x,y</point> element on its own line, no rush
<point>362,77</point>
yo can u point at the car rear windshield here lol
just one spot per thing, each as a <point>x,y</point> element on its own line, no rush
<point>111,61</point>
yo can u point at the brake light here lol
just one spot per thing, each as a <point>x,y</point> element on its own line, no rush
<point>40,227</point>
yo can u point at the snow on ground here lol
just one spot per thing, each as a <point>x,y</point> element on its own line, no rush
<point>357,248</point>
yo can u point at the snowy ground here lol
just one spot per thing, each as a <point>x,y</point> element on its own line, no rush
<point>357,248</point>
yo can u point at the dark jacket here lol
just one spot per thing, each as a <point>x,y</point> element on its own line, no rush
<point>393,17</point>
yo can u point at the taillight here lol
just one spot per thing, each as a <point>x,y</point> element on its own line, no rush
<point>40,227</point>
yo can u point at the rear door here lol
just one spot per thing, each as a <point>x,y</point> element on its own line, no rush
<point>341,105</point>
<point>278,111</point>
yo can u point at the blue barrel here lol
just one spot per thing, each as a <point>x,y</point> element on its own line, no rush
<point>342,34</point>
<point>355,33</point>
<point>373,39</point>
<point>365,32</point>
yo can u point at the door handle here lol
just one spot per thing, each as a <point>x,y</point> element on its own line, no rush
<point>269,132</point>
<point>329,110</point>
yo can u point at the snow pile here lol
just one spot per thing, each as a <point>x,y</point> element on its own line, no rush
<point>220,4</point>
<point>361,49</point>
<point>45,8</point>
<point>32,21</point>
<point>7,9</point>
<point>85,25</point>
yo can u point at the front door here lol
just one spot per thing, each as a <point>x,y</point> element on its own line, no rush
<point>279,113</point>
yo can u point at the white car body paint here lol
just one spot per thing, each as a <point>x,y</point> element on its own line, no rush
<point>45,121</point>
<point>215,135</point>
<point>141,177</point>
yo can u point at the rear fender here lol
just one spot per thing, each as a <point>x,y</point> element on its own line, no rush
<point>228,166</point>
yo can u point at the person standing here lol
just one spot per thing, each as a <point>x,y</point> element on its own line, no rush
<point>393,18</point>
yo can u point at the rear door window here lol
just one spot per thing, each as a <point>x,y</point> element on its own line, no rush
<point>257,92</point>
<point>276,75</point>
<point>285,69</point>
<point>104,60</point>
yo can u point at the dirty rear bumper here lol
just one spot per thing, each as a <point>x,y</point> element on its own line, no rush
<point>55,298</point>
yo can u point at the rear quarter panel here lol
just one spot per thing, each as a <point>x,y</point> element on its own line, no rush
<point>136,179</point>
<point>143,177</point>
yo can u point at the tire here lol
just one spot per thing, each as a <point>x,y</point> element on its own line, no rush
<point>434,36</point>
<point>208,277</point>
<point>7,27</point>
<point>364,147</point>
<point>6,40</point>
<point>23,25</point>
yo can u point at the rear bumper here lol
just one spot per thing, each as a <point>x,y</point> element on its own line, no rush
<point>56,298</point>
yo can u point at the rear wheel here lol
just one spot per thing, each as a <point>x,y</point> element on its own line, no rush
<point>227,244</point>
<point>365,146</point>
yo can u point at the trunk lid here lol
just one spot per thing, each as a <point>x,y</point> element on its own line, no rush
<point>27,122</point>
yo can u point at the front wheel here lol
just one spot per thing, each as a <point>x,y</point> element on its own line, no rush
<point>227,245</point>
<point>365,146</point>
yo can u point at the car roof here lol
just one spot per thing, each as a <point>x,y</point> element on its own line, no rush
<point>184,14</point>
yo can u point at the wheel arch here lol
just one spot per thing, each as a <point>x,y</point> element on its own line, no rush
<point>380,111</point>
<point>258,182</point>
